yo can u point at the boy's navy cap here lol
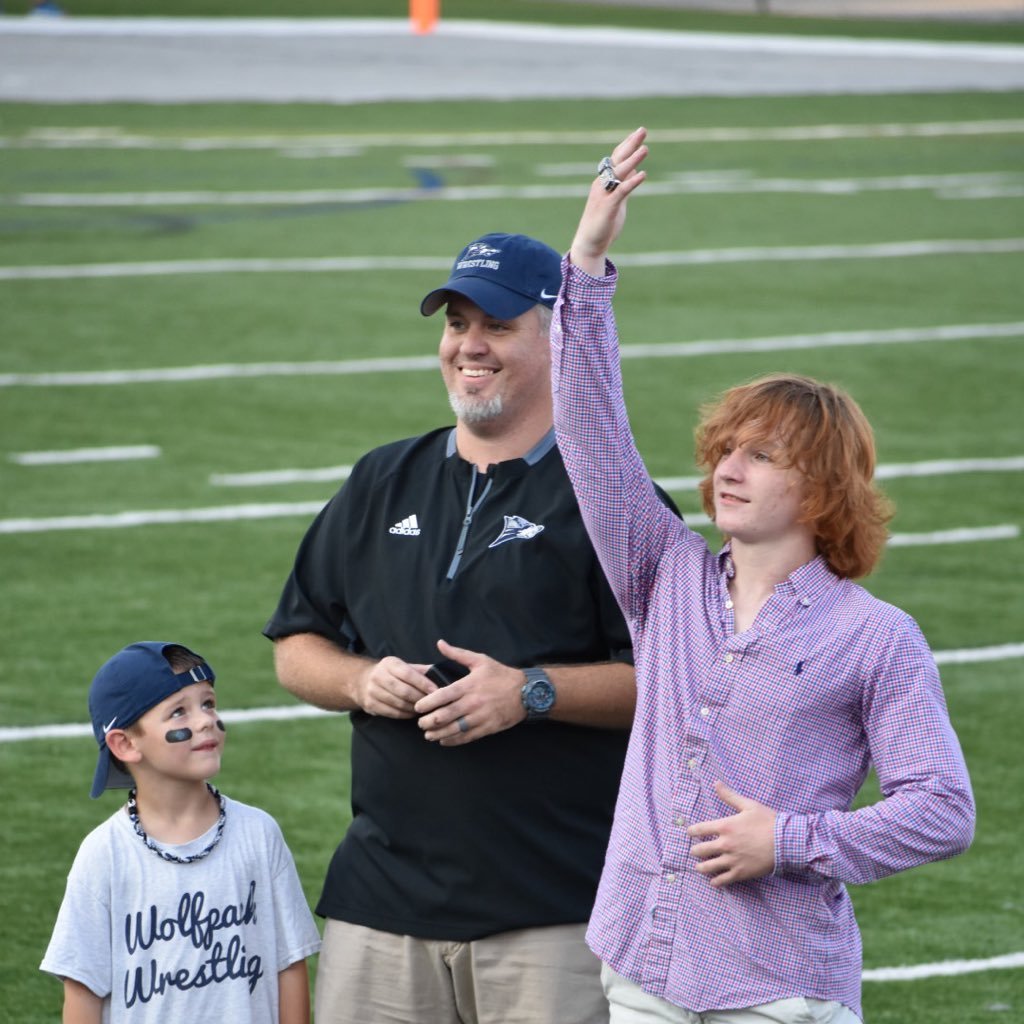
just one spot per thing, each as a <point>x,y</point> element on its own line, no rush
<point>125,688</point>
<point>505,275</point>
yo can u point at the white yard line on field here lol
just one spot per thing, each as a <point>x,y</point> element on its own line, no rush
<point>869,251</point>
<point>161,517</point>
<point>1007,531</point>
<point>996,192</point>
<point>224,371</point>
<point>307,509</point>
<point>973,655</point>
<point>896,470</point>
<point>117,138</point>
<point>355,264</point>
<point>945,968</point>
<point>259,265</point>
<point>272,477</point>
<point>67,731</point>
<point>941,467</point>
<point>74,455</point>
<point>824,339</point>
<point>404,364</point>
<point>886,471</point>
<point>21,733</point>
<point>726,184</point>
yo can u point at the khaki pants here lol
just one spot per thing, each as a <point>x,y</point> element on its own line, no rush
<point>533,976</point>
<point>630,1004</point>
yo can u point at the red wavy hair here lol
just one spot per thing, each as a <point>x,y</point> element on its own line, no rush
<point>828,439</point>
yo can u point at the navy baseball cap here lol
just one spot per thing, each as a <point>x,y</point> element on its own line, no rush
<point>505,275</point>
<point>125,688</point>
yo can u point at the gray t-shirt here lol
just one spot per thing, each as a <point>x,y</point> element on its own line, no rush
<point>161,941</point>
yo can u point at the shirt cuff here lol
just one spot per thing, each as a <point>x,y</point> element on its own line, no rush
<point>790,843</point>
<point>580,281</point>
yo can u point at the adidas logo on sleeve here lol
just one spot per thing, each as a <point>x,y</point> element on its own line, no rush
<point>408,527</point>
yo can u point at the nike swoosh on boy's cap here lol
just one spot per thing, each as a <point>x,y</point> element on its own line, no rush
<point>109,725</point>
<point>544,295</point>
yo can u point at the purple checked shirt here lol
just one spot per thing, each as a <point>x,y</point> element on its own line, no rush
<point>791,713</point>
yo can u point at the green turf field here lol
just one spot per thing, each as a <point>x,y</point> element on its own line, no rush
<point>71,597</point>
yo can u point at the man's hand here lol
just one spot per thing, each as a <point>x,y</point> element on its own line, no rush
<point>486,701</point>
<point>391,687</point>
<point>744,846</point>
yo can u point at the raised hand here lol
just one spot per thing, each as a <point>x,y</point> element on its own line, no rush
<point>605,212</point>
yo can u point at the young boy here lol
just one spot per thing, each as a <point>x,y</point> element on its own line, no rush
<point>184,905</point>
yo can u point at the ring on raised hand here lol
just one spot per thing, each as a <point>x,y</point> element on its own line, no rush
<point>462,723</point>
<point>606,173</point>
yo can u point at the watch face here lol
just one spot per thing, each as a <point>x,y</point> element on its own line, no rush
<point>541,695</point>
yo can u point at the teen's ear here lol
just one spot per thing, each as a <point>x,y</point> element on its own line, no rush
<point>122,746</point>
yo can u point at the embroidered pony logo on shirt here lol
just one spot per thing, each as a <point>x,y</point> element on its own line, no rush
<point>516,528</point>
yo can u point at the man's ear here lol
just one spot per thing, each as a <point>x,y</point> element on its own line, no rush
<point>122,746</point>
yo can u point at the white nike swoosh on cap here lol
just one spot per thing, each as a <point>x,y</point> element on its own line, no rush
<point>109,725</point>
<point>544,295</point>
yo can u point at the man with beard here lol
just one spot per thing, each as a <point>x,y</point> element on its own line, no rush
<point>483,790</point>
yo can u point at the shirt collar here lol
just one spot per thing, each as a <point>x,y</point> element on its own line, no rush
<point>531,458</point>
<point>725,564</point>
<point>811,580</point>
<point>807,583</point>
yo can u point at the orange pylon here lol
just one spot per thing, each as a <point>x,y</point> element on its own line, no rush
<point>424,15</point>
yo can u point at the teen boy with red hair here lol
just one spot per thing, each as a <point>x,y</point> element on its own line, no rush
<point>767,683</point>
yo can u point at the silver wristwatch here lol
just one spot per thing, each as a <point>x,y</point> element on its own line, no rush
<point>538,694</point>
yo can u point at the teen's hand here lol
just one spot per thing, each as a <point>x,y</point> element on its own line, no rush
<point>605,212</point>
<point>744,846</point>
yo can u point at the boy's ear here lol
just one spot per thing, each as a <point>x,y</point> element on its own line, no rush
<point>122,746</point>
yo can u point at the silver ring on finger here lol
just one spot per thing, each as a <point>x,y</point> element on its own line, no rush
<point>462,723</point>
<point>606,172</point>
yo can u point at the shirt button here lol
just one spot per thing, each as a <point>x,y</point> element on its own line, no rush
<point>728,659</point>
<point>692,763</point>
<point>680,821</point>
<point>805,601</point>
<point>669,877</point>
<point>728,604</point>
<point>705,711</point>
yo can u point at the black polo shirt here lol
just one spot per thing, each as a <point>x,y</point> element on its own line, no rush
<point>509,831</point>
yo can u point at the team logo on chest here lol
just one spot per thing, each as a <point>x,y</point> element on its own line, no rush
<point>407,527</point>
<point>516,528</point>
